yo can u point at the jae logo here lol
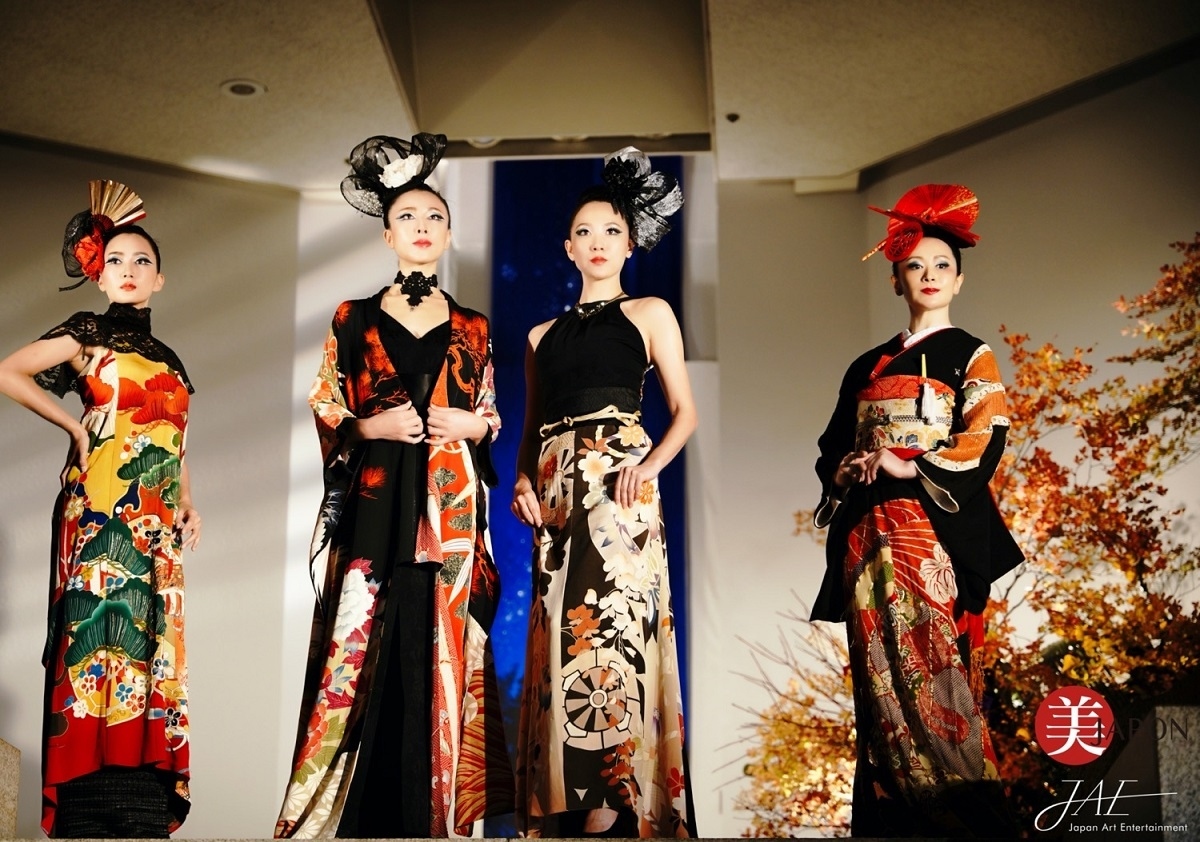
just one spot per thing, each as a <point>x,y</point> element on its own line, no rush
<point>1074,725</point>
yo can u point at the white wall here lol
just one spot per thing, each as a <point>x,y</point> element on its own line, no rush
<point>229,257</point>
<point>1076,210</point>
<point>789,315</point>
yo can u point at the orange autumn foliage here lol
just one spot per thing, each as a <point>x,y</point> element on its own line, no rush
<point>1106,583</point>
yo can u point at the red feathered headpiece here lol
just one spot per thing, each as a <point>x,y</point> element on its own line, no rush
<point>951,209</point>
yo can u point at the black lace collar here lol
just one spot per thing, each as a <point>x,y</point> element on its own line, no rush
<point>122,328</point>
<point>416,286</point>
<point>126,315</point>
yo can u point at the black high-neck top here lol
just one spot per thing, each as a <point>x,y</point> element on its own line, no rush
<point>586,364</point>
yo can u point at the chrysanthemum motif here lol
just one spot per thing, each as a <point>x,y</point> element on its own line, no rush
<point>937,573</point>
<point>74,507</point>
<point>354,605</point>
<point>594,466</point>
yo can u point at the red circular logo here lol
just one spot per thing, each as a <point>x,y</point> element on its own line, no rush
<point>1074,725</point>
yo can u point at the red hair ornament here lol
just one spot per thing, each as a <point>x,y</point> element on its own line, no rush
<point>89,251</point>
<point>111,205</point>
<point>951,209</point>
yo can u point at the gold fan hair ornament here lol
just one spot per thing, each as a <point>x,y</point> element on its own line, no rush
<point>111,205</point>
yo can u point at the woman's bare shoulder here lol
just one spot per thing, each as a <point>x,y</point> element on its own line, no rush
<point>650,312</point>
<point>538,331</point>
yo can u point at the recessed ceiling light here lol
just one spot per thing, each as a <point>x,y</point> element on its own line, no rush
<point>243,88</point>
<point>483,142</point>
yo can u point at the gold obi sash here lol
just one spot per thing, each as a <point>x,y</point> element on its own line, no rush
<point>907,414</point>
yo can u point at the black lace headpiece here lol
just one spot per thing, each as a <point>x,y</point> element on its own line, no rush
<point>383,167</point>
<point>644,197</point>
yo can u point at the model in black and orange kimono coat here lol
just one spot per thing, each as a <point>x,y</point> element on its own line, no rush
<point>909,566</point>
<point>374,531</point>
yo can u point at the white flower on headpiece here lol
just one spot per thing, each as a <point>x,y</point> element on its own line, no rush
<point>401,171</point>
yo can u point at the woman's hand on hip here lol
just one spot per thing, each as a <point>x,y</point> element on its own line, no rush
<point>77,455</point>
<point>634,482</point>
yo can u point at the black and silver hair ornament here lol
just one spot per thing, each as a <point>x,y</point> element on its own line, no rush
<point>644,197</point>
<point>382,167</point>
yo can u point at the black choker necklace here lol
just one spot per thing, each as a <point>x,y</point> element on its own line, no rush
<point>591,308</point>
<point>416,286</point>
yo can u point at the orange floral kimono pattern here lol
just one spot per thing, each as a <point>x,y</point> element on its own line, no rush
<point>116,674</point>
<point>472,777</point>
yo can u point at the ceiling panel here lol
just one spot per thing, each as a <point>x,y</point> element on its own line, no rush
<point>822,90</point>
<point>546,68</point>
<point>152,91</point>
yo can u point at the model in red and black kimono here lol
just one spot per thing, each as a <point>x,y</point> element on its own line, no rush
<point>400,730</point>
<point>916,541</point>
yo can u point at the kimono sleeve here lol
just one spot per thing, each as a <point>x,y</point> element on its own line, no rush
<point>485,408</point>
<point>328,400</point>
<point>954,473</point>
<point>834,444</point>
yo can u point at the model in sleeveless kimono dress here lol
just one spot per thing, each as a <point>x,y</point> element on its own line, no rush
<point>601,711</point>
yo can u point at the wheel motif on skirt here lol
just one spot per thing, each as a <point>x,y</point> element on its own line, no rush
<point>595,701</point>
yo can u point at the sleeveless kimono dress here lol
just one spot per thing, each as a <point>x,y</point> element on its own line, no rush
<point>601,710</point>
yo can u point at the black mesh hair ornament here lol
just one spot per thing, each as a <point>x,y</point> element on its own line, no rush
<point>111,205</point>
<point>644,197</point>
<point>383,167</point>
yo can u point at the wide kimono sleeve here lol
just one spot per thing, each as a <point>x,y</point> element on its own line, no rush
<point>956,472</point>
<point>485,408</point>
<point>837,440</point>
<point>485,398</point>
<point>328,396</point>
